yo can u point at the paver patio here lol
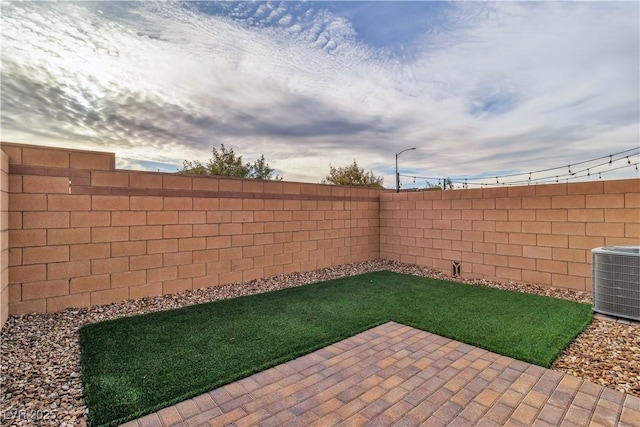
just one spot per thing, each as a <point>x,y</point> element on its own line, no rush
<point>395,375</point>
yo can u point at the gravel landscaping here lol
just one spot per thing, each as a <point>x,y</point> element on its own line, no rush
<point>40,360</point>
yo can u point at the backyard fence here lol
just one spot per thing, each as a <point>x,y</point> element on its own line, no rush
<point>78,232</point>
<point>540,234</point>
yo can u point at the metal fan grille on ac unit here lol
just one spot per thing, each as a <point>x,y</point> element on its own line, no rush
<point>616,281</point>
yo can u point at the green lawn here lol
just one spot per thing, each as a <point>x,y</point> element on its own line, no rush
<point>136,365</point>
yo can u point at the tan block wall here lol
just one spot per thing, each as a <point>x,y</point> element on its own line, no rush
<point>535,234</point>
<point>82,233</point>
<point>4,238</point>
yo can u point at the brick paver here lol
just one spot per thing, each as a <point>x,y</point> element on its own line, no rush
<point>397,375</point>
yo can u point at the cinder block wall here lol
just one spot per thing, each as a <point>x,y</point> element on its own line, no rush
<point>536,234</point>
<point>4,241</point>
<point>82,233</point>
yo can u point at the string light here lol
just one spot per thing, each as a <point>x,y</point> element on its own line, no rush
<point>543,180</point>
<point>572,174</point>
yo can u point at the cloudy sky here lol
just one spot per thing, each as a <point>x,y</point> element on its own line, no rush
<point>480,89</point>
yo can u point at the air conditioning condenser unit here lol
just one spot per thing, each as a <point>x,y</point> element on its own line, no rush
<point>616,281</point>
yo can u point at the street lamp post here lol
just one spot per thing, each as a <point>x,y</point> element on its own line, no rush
<point>398,174</point>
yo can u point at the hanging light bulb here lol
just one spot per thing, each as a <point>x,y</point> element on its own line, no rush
<point>610,158</point>
<point>628,161</point>
<point>600,175</point>
<point>569,169</point>
<point>588,172</point>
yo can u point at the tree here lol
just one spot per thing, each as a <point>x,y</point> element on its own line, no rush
<point>260,170</point>
<point>352,175</point>
<point>225,162</point>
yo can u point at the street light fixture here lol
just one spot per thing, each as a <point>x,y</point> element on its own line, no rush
<point>397,174</point>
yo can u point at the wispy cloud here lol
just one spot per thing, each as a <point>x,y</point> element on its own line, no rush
<point>477,87</point>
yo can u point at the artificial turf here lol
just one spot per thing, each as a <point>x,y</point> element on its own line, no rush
<point>136,365</point>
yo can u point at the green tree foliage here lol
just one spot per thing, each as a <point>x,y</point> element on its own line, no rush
<point>352,175</point>
<point>225,162</point>
<point>260,170</point>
